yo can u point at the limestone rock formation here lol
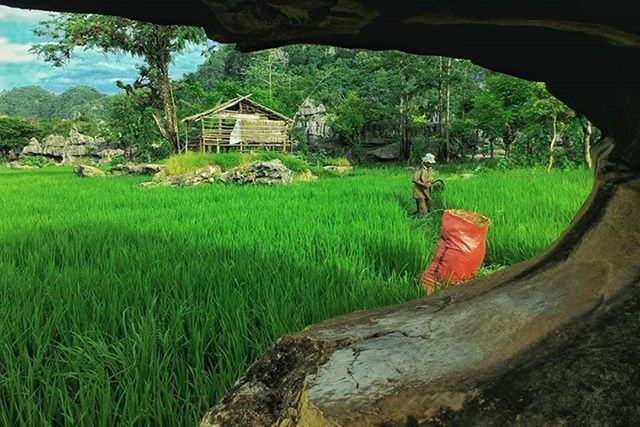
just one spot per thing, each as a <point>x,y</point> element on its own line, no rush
<point>312,120</point>
<point>72,149</point>
<point>146,169</point>
<point>18,165</point>
<point>476,352</point>
<point>206,175</point>
<point>84,171</point>
<point>388,152</point>
<point>269,172</point>
<point>105,156</point>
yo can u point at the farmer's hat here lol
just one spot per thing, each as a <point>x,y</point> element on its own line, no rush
<point>429,158</point>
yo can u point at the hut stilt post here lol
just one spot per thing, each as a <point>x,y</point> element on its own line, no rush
<point>219,138</point>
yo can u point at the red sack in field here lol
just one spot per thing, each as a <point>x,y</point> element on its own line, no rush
<point>460,251</point>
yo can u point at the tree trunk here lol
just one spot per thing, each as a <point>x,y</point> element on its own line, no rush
<point>403,128</point>
<point>167,123</point>
<point>169,110</point>
<point>588,132</point>
<point>448,114</point>
<point>508,140</point>
<point>551,341</point>
<point>440,108</point>
<point>552,145</point>
<point>491,148</point>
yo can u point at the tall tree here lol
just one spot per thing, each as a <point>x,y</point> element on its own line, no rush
<point>549,110</point>
<point>155,44</point>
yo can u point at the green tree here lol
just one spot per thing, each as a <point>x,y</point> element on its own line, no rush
<point>16,132</point>
<point>349,117</point>
<point>500,108</point>
<point>155,44</point>
<point>548,111</point>
<point>130,121</point>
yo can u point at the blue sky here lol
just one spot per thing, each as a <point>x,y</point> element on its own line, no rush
<point>19,67</point>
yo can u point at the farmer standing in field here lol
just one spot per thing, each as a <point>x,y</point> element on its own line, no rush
<point>422,183</point>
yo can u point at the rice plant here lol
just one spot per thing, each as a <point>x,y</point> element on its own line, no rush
<point>123,305</point>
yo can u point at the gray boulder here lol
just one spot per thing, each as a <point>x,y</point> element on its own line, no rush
<point>147,169</point>
<point>206,175</point>
<point>270,172</point>
<point>32,148</point>
<point>108,154</point>
<point>76,138</point>
<point>388,152</point>
<point>18,165</point>
<point>85,171</point>
<point>73,149</point>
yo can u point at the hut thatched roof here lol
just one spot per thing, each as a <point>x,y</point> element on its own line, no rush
<point>228,104</point>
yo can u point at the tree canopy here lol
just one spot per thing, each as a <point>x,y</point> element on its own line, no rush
<point>155,44</point>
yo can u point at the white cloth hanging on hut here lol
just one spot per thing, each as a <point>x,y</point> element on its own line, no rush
<point>236,133</point>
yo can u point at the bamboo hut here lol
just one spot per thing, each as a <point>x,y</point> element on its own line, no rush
<point>238,124</point>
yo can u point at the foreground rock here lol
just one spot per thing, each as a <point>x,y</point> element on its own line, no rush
<point>146,169</point>
<point>207,175</point>
<point>84,171</point>
<point>18,165</point>
<point>270,173</point>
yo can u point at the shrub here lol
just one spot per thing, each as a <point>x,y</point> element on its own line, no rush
<point>228,161</point>
<point>183,163</point>
<point>117,160</point>
<point>336,161</point>
<point>15,132</point>
<point>37,161</point>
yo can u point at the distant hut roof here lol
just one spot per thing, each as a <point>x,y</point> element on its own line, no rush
<point>225,105</point>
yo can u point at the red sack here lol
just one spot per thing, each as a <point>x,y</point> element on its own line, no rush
<point>460,251</point>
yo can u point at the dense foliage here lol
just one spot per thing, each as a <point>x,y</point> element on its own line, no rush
<point>449,106</point>
<point>16,133</point>
<point>446,105</point>
<point>125,306</point>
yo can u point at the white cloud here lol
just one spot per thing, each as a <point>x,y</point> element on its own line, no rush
<point>15,53</point>
<point>14,14</point>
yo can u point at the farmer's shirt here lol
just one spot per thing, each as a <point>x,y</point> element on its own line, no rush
<point>425,175</point>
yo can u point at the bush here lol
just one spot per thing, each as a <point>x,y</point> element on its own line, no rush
<point>183,163</point>
<point>228,161</point>
<point>117,160</point>
<point>37,161</point>
<point>336,161</point>
<point>15,133</point>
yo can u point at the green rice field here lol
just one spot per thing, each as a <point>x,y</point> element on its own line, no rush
<point>129,306</point>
